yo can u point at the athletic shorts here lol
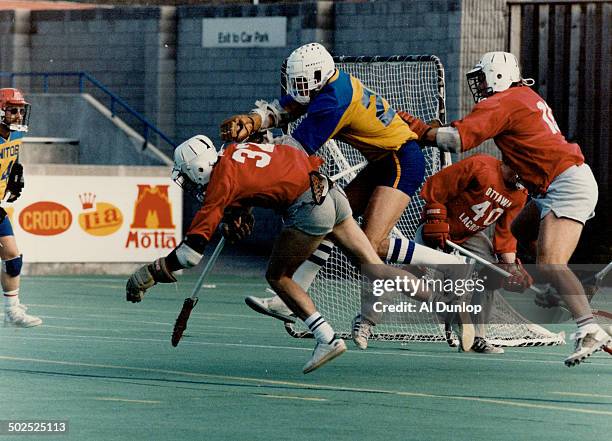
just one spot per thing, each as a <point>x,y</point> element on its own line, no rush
<point>573,194</point>
<point>403,169</point>
<point>6,229</point>
<point>318,220</point>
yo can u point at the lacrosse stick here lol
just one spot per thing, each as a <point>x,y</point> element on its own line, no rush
<point>181,322</point>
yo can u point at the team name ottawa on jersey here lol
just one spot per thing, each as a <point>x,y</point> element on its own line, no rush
<point>482,209</point>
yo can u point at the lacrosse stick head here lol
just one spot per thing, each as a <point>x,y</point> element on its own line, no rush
<point>181,321</point>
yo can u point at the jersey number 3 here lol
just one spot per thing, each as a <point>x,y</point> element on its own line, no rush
<point>262,158</point>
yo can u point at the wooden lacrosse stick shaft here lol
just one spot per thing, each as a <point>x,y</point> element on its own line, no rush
<point>181,321</point>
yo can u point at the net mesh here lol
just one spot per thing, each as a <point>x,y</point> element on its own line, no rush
<point>414,84</point>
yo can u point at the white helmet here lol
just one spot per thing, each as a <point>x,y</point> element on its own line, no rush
<point>308,69</point>
<point>193,163</point>
<point>495,72</point>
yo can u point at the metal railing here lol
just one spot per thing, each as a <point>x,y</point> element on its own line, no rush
<point>83,78</point>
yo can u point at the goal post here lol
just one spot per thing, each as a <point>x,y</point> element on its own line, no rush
<point>413,83</point>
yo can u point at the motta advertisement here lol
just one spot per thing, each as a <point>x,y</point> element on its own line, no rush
<point>97,219</point>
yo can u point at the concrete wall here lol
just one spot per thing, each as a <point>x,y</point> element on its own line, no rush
<point>102,139</point>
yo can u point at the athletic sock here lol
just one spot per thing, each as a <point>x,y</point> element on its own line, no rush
<point>307,272</point>
<point>585,320</point>
<point>322,330</point>
<point>11,299</point>
<point>409,252</point>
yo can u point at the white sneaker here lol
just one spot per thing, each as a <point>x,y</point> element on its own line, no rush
<point>608,348</point>
<point>361,331</point>
<point>462,326</point>
<point>588,340</point>
<point>16,316</point>
<point>324,352</point>
<point>482,346</point>
<point>272,306</point>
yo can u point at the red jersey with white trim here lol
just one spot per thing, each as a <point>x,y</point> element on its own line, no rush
<point>475,195</point>
<point>261,175</point>
<point>524,129</point>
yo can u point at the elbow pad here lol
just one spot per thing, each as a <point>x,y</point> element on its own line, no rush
<point>448,139</point>
<point>272,111</point>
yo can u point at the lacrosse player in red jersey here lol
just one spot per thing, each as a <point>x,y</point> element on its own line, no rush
<point>275,176</point>
<point>462,200</point>
<point>563,188</point>
<point>14,117</point>
<point>336,105</point>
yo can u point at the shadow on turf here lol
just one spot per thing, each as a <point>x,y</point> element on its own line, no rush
<point>172,383</point>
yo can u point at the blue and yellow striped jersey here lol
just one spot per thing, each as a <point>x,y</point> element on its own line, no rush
<point>9,152</point>
<point>348,111</point>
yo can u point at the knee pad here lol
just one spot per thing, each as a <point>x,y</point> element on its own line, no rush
<point>13,266</point>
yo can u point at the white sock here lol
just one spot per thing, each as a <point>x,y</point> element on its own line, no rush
<point>322,330</point>
<point>11,299</point>
<point>585,320</point>
<point>307,272</point>
<point>409,252</point>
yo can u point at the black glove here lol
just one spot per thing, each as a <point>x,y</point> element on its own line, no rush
<point>237,224</point>
<point>15,183</point>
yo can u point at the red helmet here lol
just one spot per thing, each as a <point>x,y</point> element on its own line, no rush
<point>11,98</point>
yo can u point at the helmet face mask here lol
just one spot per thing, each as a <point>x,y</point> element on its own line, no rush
<point>194,160</point>
<point>308,69</point>
<point>495,72</point>
<point>14,110</point>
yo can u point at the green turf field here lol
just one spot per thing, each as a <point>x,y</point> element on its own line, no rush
<point>107,367</point>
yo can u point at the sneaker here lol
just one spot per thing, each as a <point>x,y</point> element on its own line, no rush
<point>588,340</point>
<point>608,348</point>
<point>482,346</point>
<point>324,352</point>
<point>272,306</point>
<point>16,316</point>
<point>362,331</point>
<point>462,326</point>
<point>451,341</point>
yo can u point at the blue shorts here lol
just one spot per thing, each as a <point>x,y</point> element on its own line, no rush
<point>403,169</point>
<point>6,229</point>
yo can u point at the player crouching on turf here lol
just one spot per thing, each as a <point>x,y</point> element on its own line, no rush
<point>14,116</point>
<point>553,170</point>
<point>461,201</point>
<point>464,199</point>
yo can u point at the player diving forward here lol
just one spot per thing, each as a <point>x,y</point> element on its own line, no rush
<point>553,170</point>
<point>278,177</point>
<point>14,117</point>
<point>462,200</point>
<point>337,105</point>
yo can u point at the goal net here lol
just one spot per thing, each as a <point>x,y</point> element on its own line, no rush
<point>414,84</point>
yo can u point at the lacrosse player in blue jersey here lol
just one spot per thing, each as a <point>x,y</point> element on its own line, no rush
<point>336,105</point>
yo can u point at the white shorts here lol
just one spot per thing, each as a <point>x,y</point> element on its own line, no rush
<point>318,220</point>
<point>573,194</point>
